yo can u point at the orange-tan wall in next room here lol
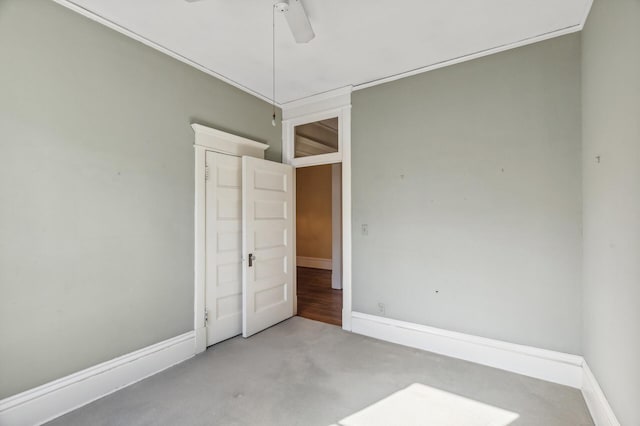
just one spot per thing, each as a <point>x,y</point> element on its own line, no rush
<point>313,209</point>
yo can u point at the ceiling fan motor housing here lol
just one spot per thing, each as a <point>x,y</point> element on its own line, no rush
<point>282,6</point>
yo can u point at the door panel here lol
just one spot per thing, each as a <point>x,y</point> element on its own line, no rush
<point>223,247</point>
<point>267,229</point>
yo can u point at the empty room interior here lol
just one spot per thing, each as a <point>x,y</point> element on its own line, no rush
<point>332,213</point>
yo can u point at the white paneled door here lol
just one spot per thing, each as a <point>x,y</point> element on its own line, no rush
<point>223,291</point>
<point>267,232</point>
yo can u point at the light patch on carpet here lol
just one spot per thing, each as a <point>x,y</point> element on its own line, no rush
<point>420,405</point>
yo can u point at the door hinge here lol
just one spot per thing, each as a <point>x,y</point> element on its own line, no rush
<point>206,172</point>
<point>206,317</point>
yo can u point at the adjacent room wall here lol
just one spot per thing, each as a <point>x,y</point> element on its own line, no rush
<point>96,190</point>
<point>469,179</point>
<point>611,131</point>
<point>313,211</point>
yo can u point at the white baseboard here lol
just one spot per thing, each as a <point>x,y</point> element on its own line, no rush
<point>53,399</point>
<point>556,367</point>
<point>598,405</point>
<point>313,262</point>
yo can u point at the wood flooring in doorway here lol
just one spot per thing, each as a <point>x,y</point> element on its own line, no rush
<point>316,299</point>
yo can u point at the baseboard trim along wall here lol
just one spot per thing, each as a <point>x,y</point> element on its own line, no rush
<point>313,262</point>
<point>597,403</point>
<point>557,367</point>
<point>53,399</point>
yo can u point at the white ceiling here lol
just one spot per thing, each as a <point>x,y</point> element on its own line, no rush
<point>357,41</point>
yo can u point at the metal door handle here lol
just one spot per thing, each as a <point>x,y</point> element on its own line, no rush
<point>251,259</point>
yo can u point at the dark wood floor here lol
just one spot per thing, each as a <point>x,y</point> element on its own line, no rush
<point>316,299</point>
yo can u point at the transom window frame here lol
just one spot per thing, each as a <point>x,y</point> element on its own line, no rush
<point>289,136</point>
<point>336,103</point>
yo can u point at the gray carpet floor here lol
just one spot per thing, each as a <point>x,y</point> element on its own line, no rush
<point>302,372</point>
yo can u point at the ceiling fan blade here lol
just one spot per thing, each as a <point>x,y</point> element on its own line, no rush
<point>299,22</point>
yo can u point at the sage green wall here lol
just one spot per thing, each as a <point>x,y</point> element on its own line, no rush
<point>611,130</point>
<point>469,178</point>
<point>96,190</point>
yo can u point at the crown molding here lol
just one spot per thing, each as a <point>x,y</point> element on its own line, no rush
<point>476,55</point>
<point>129,33</point>
<point>295,104</point>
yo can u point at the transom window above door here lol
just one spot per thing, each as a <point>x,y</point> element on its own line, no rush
<point>316,138</point>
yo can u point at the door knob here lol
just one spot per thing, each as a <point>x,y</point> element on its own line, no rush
<point>251,259</point>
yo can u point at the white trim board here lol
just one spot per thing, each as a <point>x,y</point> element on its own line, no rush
<point>297,102</point>
<point>469,57</point>
<point>330,93</point>
<point>53,399</point>
<point>596,401</point>
<point>314,262</point>
<point>209,139</point>
<point>556,367</point>
<point>329,100</point>
<point>336,103</point>
<point>175,55</point>
<point>56,398</point>
<point>527,41</point>
<point>227,143</point>
<point>336,226</point>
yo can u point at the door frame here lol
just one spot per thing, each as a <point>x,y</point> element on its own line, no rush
<point>336,103</point>
<point>209,139</point>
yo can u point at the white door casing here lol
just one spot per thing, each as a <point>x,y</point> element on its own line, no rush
<point>267,257</point>
<point>336,226</point>
<point>210,140</point>
<point>223,247</point>
<point>336,103</point>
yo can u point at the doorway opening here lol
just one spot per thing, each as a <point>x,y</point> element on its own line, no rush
<point>317,131</point>
<point>319,225</point>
